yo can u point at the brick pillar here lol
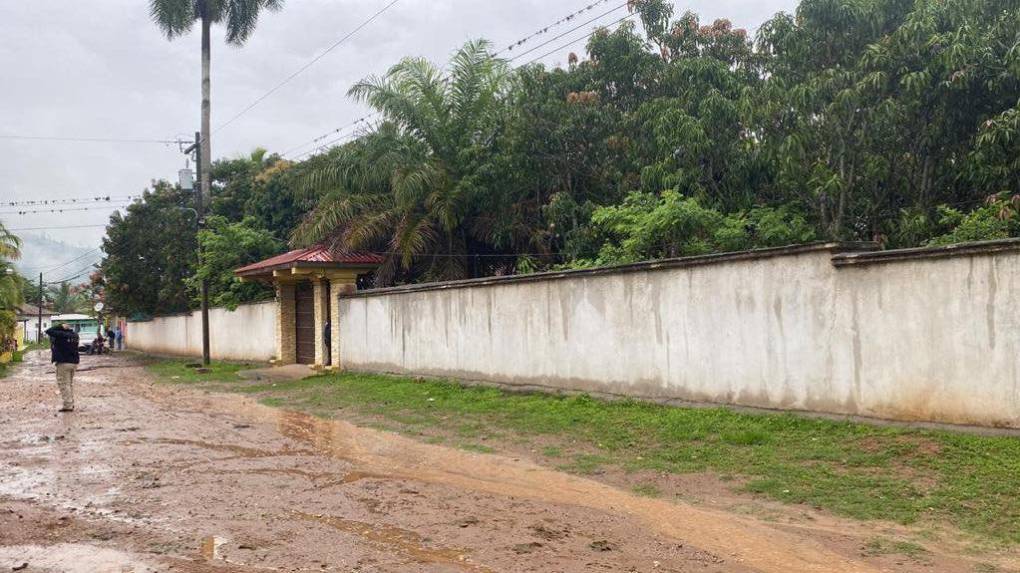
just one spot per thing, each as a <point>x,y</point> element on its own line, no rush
<point>286,349</point>
<point>321,294</point>
<point>338,287</point>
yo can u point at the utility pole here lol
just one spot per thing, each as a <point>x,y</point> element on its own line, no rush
<point>200,216</point>
<point>38,326</point>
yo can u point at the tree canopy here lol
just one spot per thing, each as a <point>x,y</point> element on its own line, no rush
<point>895,121</point>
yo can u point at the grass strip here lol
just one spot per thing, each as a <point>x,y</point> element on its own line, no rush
<point>856,470</point>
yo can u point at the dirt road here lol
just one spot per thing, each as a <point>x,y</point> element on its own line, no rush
<point>147,478</point>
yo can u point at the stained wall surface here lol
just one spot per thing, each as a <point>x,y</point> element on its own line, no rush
<point>248,333</point>
<point>918,335</point>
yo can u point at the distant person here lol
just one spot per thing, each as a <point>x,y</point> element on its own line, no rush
<point>327,339</point>
<point>98,345</point>
<point>64,354</point>
<point>118,337</point>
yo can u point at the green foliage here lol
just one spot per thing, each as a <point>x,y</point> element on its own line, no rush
<point>895,121</point>
<point>150,252</point>
<point>10,287</point>
<point>412,187</point>
<point>646,226</point>
<point>982,224</point>
<point>67,299</point>
<point>848,120</point>
<point>186,372</point>
<point>227,246</point>
<point>177,17</point>
<point>255,204</point>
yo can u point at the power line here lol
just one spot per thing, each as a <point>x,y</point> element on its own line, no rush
<point>570,31</point>
<point>74,276</point>
<point>57,227</point>
<point>561,21</point>
<point>329,133</point>
<point>348,137</point>
<point>574,41</point>
<point>335,45</point>
<point>568,18</point>
<point>64,264</point>
<point>68,200</point>
<point>89,139</point>
<point>64,209</point>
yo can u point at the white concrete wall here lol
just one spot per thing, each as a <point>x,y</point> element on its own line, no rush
<point>248,333</point>
<point>931,339</point>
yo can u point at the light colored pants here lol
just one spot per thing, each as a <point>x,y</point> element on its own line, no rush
<point>65,381</point>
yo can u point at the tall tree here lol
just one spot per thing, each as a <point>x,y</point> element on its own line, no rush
<point>418,174</point>
<point>150,252</point>
<point>10,244</point>
<point>177,17</point>
<point>67,299</point>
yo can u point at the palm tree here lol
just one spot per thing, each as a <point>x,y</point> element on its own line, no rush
<point>176,18</point>
<point>409,187</point>
<point>66,299</point>
<point>10,244</point>
<point>10,287</point>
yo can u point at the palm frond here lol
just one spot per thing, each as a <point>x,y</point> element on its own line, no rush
<point>174,17</point>
<point>242,17</point>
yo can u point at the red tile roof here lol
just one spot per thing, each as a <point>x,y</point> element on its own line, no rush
<point>318,255</point>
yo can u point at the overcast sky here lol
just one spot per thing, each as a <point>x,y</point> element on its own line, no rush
<point>101,69</point>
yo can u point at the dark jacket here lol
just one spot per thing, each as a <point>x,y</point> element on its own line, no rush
<point>63,345</point>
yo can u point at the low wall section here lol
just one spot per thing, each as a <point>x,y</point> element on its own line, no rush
<point>248,333</point>
<point>913,335</point>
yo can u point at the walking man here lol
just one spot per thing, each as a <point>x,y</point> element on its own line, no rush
<point>119,335</point>
<point>64,354</point>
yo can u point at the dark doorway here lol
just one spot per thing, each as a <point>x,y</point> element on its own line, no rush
<point>304,322</point>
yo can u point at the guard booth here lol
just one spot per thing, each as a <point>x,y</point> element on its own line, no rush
<point>307,283</point>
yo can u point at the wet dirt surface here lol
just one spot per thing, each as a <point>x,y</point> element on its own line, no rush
<point>149,477</point>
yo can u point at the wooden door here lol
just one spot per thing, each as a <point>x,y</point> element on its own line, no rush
<point>304,322</point>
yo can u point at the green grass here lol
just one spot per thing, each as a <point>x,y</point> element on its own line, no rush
<point>647,490</point>
<point>882,546</point>
<point>184,372</point>
<point>44,345</point>
<point>855,470</point>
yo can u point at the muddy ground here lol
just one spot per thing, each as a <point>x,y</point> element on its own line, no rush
<point>146,478</point>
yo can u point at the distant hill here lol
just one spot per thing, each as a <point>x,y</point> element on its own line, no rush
<point>56,259</point>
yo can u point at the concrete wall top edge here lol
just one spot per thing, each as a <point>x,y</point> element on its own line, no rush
<point>660,264</point>
<point>189,313</point>
<point>897,255</point>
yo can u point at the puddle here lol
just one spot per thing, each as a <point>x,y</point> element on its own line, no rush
<point>407,543</point>
<point>387,455</point>
<point>239,451</point>
<point>355,476</point>
<point>71,558</point>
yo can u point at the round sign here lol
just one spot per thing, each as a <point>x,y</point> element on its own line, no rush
<point>99,307</point>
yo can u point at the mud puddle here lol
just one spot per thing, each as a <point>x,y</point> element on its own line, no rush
<point>384,454</point>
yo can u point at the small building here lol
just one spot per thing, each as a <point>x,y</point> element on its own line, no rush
<point>28,316</point>
<point>307,283</point>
